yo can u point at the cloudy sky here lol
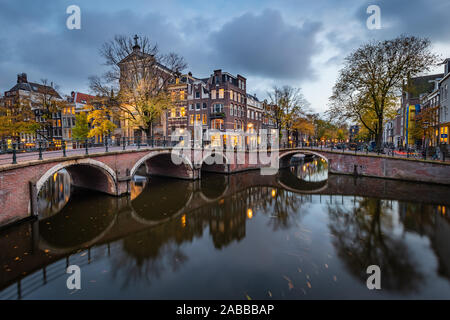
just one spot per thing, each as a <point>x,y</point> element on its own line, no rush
<point>295,42</point>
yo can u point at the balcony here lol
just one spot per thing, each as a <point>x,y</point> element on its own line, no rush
<point>217,115</point>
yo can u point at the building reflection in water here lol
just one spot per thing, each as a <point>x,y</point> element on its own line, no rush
<point>287,225</point>
<point>311,171</point>
<point>54,195</point>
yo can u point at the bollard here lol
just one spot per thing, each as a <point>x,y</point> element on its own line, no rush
<point>14,159</point>
<point>63,146</point>
<point>139,142</point>
<point>123,143</point>
<point>106,143</point>
<point>86,146</point>
<point>40,150</point>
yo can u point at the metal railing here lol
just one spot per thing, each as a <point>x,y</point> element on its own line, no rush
<point>12,153</point>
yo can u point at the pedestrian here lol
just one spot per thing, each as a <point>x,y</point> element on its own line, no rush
<point>437,154</point>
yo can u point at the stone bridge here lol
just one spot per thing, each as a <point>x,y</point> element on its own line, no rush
<point>111,172</point>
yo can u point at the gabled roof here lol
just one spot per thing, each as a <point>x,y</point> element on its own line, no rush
<point>418,85</point>
<point>141,55</point>
<point>252,97</point>
<point>82,98</point>
<point>36,87</point>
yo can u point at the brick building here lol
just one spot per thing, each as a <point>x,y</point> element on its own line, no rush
<point>444,108</point>
<point>410,104</point>
<point>37,96</point>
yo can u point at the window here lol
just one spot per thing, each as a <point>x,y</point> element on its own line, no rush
<point>221,93</point>
<point>197,118</point>
<point>205,105</point>
<point>213,94</point>
<point>217,124</point>
<point>182,111</point>
<point>197,106</point>
<point>218,107</point>
<point>231,110</point>
<point>204,118</point>
<point>197,94</point>
<point>181,95</point>
<point>173,113</point>
<point>191,107</point>
<point>191,119</point>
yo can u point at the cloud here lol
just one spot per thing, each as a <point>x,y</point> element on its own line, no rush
<point>426,18</point>
<point>266,45</point>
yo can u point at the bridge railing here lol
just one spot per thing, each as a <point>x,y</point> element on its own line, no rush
<point>13,152</point>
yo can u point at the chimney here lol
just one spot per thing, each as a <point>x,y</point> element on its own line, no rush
<point>22,78</point>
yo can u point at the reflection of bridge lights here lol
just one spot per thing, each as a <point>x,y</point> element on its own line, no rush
<point>54,176</point>
<point>304,168</point>
<point>221,201</point>
<point>183,220</point>
<point>249,213</point>
<point>274,193</point>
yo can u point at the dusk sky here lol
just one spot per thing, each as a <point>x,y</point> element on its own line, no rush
<point>294,42</point>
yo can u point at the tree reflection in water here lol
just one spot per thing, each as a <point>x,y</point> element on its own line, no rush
<point>364,235</point>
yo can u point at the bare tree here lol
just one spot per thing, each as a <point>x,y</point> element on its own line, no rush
<point>287,104</point>
<point>48,104</point>
<point>140,74</point>
<point>373,75</point>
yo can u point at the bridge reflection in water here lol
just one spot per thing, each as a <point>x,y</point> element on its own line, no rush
<point>299,234</point>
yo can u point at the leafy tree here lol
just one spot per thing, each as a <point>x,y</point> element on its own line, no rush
<point>81,129</point>
<point>101,123</point>
<point>16,119</point>
<point>373,76</point>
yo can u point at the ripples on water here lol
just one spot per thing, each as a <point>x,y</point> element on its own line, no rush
<point>297,235</point>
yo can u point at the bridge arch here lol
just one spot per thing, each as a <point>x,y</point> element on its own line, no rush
<point>87,173</point>
<point>285,157</point>
<point>215,167</point>
<point>161,159</point>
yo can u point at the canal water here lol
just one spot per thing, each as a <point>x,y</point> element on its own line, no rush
<point>300,234</point>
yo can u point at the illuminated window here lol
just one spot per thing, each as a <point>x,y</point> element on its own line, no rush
<point>197,118</point>
<point>217,124</point>
<point>191,119</point>
<point>204,118</point>
<point>213,94</point>
<point>181,95</point>
<point>183,112</point>
<point>221,93</point>
<point>173,113</point>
